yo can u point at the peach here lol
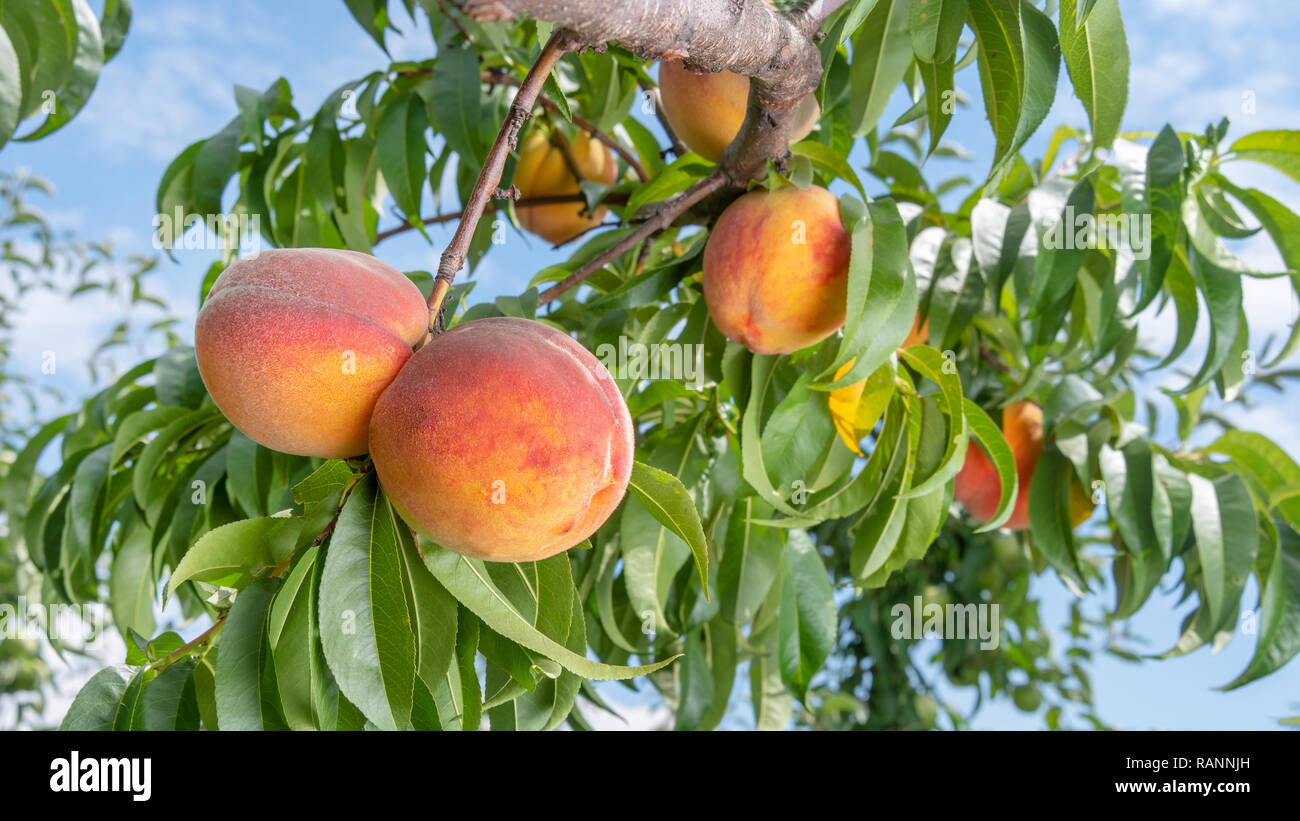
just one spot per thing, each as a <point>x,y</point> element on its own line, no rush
<point>977,485</point>
<point>706,110</point>
<point>503,439</point>
<point>919,335</point>
<point>979,489</point>
<point>776,269</point>
<point>543,171</point>
<point>295,345</point>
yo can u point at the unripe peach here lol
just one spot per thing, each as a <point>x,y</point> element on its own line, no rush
<point>706,110</point>
<point>295,345</point>
<point>543,171</point>
<point>503,439</point>
<point>977,485</point>
<point>776,269</point>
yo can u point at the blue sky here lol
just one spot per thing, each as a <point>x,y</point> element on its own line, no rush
<point>1193,62</point>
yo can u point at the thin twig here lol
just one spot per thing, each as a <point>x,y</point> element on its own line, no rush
<point>496,76</point>
<point>989,357</point>
<point>490,177</point>
<point>455,22</point>
<point>194,642</point>
<point>612,198</point>
<point>678,147</point>
<point>661,220</point>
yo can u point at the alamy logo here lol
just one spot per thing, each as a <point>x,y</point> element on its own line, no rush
<point>77,774</point>
<point>1103,232</point>
<point>681,361</point>
<point>946,621</point>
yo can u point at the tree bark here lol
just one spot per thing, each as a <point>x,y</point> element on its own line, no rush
<point>775,50</point>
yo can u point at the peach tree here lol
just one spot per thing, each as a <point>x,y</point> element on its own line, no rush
<point>783,502</point>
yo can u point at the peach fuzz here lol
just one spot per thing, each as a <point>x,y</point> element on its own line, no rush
<point>295,345</point>
<point>542,171</point>
<point>706,110</point>
<point>776,269</point>
<point>503,439</point>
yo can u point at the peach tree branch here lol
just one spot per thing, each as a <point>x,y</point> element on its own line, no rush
<point>664,216</point>
<point>748,37</point>
<point>501,78</point>
<point>490,177</point>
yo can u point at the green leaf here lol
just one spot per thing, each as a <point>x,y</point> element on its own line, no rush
<point>808,615</point>
<point>881,296</point>
<point>1164,199</point>
<point>1283,227</point>
<point>988,434</point>
<point>881,53</point>
<point>1049,515</point>
<point>1222,291</point>
<point>401,151</point>
<point>365,623</point>
<point>233,554</point>
<point>130,715</point>
<point>1042,67</point>
<point>1002,65</point>
<point>433,617</point>
<point>82,75</point>
<point>1266,467</point>
<point>373,17</point>
<point>935,27</point>
<point>131,582</point>
<point>214,164</point>
<point>1279,610</point>
<point>1279,149</point>
<point>169,702</point>
<point>456,101</point>
<point>796,434</point>
<point>17,488</point>
<point>332,477</point>
<point>177,380</point>
<point>11,89</point>
<point>768,693</point>
<point>95,706</point>
<point>674,178</point>
<point>751,561</point>
<point>290,635</point>
<point>114,25</point>
<point>47,30</point>
<point>1130,493</point>
<point>468,580</point>
<point>667,500</point>
<point>940,95</point>
<point>930,364</point>
<point>1224,522</point>
<point>877,534</point>
<point>832,162</point>
<point>243,700</point>
<point>146,467</point>
<point>1096,55</point>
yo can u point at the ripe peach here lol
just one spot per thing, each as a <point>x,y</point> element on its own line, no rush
<point>919,335</point>
<point>295,345</point>
<point>776,269</point>
<point>503,439</point>
<point>706,110</point>
<point>978,486</point>
<point>542,171</point>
